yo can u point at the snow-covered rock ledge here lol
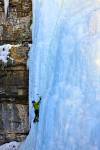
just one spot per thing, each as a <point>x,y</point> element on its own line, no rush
<point>4,51</point>
<point>10,146</point>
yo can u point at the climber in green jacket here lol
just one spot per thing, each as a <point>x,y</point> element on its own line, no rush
<point>36,105</point>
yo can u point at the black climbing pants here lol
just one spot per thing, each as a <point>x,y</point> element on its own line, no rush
<point>36,119</point>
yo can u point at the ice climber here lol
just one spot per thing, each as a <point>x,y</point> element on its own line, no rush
<point>36,105</point>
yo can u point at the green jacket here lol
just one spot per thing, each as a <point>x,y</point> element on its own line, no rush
<point>36,105</point>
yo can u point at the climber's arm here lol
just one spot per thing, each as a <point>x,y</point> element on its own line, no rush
<point>40,98</point>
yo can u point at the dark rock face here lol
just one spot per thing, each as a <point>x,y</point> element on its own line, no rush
<point>16,26</point>
<point>14,125</point>
<point>15,29</point>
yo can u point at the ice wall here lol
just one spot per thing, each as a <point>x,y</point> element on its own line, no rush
<point>64,68</point>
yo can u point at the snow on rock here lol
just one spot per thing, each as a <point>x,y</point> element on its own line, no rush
<point>29,45</point>
<point>10,146</point>
<point>4,51</point>
<point>6,5</point>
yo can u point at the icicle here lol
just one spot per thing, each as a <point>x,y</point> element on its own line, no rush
<point>6,5</point>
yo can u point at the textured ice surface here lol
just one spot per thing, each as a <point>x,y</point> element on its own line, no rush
<point>65,70</point>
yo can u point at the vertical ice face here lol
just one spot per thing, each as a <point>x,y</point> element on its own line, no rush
<point>64,68</point>
<point>6,5</point>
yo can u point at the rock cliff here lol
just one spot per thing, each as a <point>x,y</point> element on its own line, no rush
<point>15,30</point>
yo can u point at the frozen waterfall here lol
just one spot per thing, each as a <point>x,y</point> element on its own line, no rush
<point>64,68</point>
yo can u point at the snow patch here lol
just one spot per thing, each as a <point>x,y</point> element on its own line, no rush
<point>10,146</point>
<point>6,5</point>
<point>29,45</point>
<point>4,52</point>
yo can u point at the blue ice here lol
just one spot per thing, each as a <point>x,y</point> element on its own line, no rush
<point>64,68</point>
